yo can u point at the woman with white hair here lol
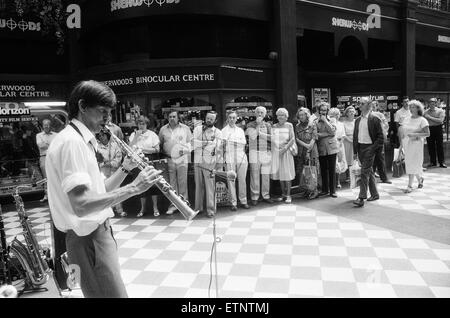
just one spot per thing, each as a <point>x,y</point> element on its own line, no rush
<point>412,133</point>
<point>283,167</point>
<point>349,127</point>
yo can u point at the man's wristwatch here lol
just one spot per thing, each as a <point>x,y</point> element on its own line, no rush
<point>124,170</point>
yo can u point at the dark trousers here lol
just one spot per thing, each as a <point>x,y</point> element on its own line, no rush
<point>379,164</point>
<point>98,261</point>
<point>435,144</point>
<point>328,172</point>
<point>366,156</point>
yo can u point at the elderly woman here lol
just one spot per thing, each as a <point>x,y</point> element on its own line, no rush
<point>283,167</point>
<point>348,119</point>
<point>412,133</point>
<point>306,137</point>
<point>328,149</point>
<point>341,164</point>
<point>148,142</point>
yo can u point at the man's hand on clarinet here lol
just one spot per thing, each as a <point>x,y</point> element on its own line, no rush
<point>146,179</point>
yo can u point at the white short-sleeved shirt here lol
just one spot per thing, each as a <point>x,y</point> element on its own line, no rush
<point>234,140</point>
<point>71,162</point>
<point>401,115</point>
<point>146,140</point>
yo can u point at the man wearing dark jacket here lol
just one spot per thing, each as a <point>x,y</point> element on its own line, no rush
<point>368,138</point>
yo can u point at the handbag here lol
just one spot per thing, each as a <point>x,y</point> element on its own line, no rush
<point>398,165</point>
<point>309,180</point>
<point>294,149</point>
<point>355,175</point>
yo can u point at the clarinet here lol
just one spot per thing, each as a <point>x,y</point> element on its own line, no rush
<point>177,200</point>
<point>4,252</point>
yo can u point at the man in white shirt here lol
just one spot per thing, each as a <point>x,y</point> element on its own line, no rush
<point>80,198</point>
<point>367,140</point>
<point>260,156</point>
<point>402,114</point>
<point>435,142</point>
<point>207,143</point>
<point>43,140</point>
<point>233,139</point>
<point>175,139</point>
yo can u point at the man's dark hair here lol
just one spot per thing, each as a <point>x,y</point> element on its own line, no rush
<point>93,94</point>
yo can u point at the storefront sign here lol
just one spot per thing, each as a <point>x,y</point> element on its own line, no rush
<point>22,91</point>
<point>126,4</point>
<point>164,80</point>
<point>101,12</point>
<point>11,24</point>
<point>443,39</point>
<point>373,21</point>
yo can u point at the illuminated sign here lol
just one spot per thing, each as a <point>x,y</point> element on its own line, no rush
<point>126,4</point>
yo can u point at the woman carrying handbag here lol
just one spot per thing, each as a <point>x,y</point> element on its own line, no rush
<point>308,156</point>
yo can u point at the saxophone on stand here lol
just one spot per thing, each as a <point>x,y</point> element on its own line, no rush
<point>30,255</point>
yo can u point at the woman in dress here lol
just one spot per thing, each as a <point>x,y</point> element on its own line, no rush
<point>413,131</point>
<point>341,162</point>
<point>349,127</point>
<point>328,150</point>
<point>283,167</point>
<point>111,159</point>
<point>148,142</point>
<point>306,137</point>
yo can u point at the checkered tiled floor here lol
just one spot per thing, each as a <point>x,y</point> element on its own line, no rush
<point>433,199</point>
<point>282,251</point>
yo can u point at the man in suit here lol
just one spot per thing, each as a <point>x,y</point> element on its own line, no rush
<point>368,138</point>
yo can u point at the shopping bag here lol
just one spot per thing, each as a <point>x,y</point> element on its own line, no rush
<point>310,176</point>
<point>294,149</point>
<point>355,175</point>
<point>398,165</point>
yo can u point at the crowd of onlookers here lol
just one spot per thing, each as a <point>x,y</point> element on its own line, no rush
<point>318,149</point>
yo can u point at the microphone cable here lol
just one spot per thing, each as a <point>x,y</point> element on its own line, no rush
<point>213,254</point>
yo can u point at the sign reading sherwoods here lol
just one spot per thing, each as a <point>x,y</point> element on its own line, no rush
<point>15,91</point>
<point>373,21</point>
<point>165,80</point>
<point>22,25</point>
<point>126,4</point>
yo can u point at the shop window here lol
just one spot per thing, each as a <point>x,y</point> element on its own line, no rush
<point>245,107</point>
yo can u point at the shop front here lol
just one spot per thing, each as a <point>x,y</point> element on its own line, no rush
<point>223,85</point>
<point>23,107</point>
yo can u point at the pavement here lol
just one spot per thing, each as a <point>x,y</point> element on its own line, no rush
<point>398,246</point>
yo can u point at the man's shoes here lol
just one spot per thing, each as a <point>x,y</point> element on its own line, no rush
<point>210,214</point>
<point>373,198</point>
<point>322,193</point>
<point>359,202</point>
<point>245,206</point>
<point>387,181</point>
<point>431,165</point>
<point>443,165</point>
<point>333,195</point>
<point>233,208</point>
<point>254,202</point>
<point>269,200</point>
<point>280,199</point>
<point>288,200</point>
<point>376,175</point>
<point>171,210</point>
